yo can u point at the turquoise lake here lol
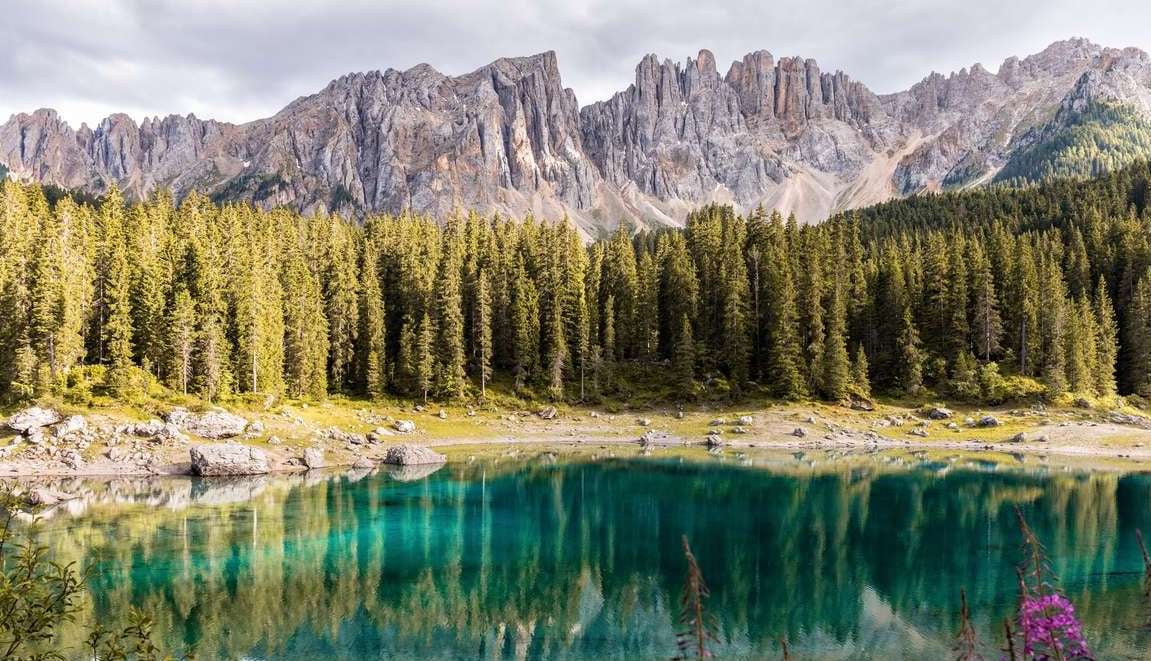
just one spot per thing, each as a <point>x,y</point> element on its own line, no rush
<point>545,559</point>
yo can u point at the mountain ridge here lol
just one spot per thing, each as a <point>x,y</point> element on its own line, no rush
<point>509,137</point>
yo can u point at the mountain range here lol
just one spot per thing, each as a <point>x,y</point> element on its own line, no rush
<point>509,137</point>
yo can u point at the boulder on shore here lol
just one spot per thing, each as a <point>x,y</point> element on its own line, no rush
<point>987,421</point>
<point>218,459</point>
<point>31,419</point>
<point>411,455</point>
<point>404,426</point>
<point>314,458</point>
<point>216,424</point>
<point>73,424</point>
<point>938,413</point>
<point>363,463</point>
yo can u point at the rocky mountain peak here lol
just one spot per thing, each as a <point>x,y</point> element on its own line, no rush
<point>510,137</point>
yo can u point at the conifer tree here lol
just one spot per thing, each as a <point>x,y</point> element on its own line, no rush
<point>115,291</point>
<point>47,295</point>
<point>341,301</point>
<point>910,377</point>
<point>451,376</point>
<point>181,341</point>
<point>525,326</point>
<point>987,324</point>
<point>558,353</point>
<point>836,365</point>
<point>606,372</point>
<point>811,292</point>
<point>305,329</point>
<point>1137,337</point>
<point>372,335</point>
<point>425,357</point>
<point>482,318</point>
<point>860,379</point>
<point>1106,341</point>
<point>683,357</point>
<point>784,353</point>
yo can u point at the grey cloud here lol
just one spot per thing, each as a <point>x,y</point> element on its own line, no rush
<point>242,60</point>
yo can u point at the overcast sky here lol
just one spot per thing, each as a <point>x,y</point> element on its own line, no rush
<point>241,60</point>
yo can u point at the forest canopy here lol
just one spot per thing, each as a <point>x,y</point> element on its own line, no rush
<point>989,295</point>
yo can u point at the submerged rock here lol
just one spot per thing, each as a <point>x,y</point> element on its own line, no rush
<point>228,459</point>
<point>31,419</point>
<point>44,497</point>
<point>412,455</point>
<point>410,473</point>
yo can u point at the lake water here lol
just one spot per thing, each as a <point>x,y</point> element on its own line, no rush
<point>535,559</point>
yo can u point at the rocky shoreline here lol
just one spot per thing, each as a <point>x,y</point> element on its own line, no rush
<point>218,443</point>
<point>209,444</point>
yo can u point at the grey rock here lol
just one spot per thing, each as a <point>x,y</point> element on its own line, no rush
<point>509,137</point>
<point>215,425</point>
<point>548,413</point>
<point>73,459</point>
<point>938,413</point>
<point>72,425</point>
<point>45,497</point>
<point>228,459</point>
<point>799,432</point>
<point>363,463</point>
<point>33,418</point>
<point>142,429</point>
<point>314,458</point>
<point>987,421</point>
<point>408,455</point>
<point>178,416</point>
<point>170,433</point>
<point>404,426</point>
<point>745,421</point>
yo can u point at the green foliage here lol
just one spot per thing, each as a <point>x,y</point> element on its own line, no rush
<point>39,595</point>
<point>924,294</point>
<point>1101,138</point>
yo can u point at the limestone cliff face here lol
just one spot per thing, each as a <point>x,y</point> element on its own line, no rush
<point>509,137</point>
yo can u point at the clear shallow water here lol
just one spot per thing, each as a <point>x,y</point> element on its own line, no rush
<point>583,560</point>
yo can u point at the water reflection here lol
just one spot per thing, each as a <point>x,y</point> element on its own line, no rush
<point>582,560</point>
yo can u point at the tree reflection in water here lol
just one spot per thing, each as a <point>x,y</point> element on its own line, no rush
<point>584,559</point>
